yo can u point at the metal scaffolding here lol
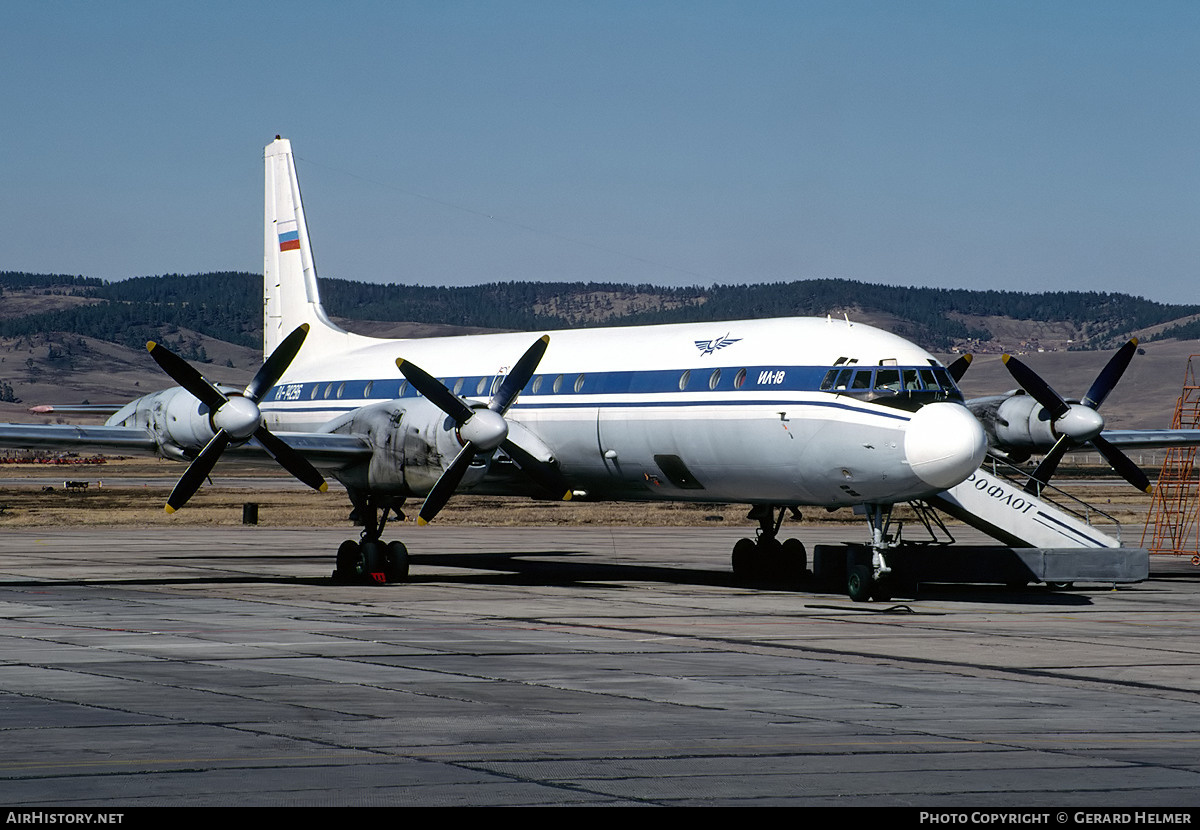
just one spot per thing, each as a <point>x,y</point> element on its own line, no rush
<point>1172,526</point>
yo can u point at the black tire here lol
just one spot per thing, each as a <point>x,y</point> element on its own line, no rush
<point>883,589</point>
<point>745,559</point>
<point>858,583</point>
<point>396,562</point>
<point>793,560</point>
<point>349,562</point>
<point>374,562</point>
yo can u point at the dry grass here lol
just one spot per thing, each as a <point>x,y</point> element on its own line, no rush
<point>132,492</point>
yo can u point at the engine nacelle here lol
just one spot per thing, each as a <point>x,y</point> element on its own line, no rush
<point>1015,423</point>
<point>182,425</point>
<point>413,442</point>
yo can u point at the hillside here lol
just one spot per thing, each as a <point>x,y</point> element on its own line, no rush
<point>68,339</point>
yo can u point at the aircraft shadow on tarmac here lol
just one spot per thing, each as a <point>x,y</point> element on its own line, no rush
<point>548,568</point>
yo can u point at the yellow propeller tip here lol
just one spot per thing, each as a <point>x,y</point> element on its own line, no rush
<point>1133,340</point>
<point>324,488</point>
<point>169,509</point>
<point>150,344</point>
<point>567,497</point>
<point>967,358</point>
<point>421,522</point>
<point>1004,358</point>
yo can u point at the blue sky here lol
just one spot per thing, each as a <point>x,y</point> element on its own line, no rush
<point>1017,145</point>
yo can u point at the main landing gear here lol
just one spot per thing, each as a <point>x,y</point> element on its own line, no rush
<point>370,559</point>
<point>765,557</point>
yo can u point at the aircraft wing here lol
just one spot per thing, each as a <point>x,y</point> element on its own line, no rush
<point>71,437</point>
<point>76,408</point>
<point>1150,439</point>
<point>323,450</point>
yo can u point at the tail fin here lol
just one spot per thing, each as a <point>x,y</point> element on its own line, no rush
<point>289,273</point>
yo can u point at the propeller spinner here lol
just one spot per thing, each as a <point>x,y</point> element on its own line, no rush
<point>237,418</point>
<point>482,431</point>
<point>1078,424</point>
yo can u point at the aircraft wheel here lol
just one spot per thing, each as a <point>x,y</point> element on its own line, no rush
<point>793,559</point>
<point>858,582</point>
<point>1060,586</point>
<point>349,562</point>
<point>374,561</point>
<point>883,588</point>
<point>745,553</point>
<point>396,562</point>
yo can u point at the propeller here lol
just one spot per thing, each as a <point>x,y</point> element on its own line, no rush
<point>1077,424</point>
<point>236,418</point>
<point>959,367</point>
<point>482,431</point>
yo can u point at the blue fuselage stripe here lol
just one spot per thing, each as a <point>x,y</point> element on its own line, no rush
<point>529,406</point>
<point>704,387</point>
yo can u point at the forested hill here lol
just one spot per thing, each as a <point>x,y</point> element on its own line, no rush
<point>228,306</point>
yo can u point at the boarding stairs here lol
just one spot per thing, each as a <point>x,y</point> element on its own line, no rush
<point>994,501</point>
<point>1045,536</point>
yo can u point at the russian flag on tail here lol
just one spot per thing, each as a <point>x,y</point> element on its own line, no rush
<point>289,240</point>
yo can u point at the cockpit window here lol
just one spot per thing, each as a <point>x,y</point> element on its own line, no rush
<point>898,386</point>
<point>887,380</point>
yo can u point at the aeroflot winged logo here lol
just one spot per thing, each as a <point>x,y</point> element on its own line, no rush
<point>707,347</point>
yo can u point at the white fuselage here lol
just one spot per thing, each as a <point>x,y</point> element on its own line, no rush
<point>707,412</point>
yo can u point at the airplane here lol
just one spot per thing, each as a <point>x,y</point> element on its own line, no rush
<point>777,414</point>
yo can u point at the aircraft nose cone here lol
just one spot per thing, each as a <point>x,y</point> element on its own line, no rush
<point>944,443</point>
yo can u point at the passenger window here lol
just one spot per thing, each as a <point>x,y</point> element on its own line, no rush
<point>537,383</point>
<point>367,389</point>
<point>558,383</point>
<point>458,384</point>
<point>341,388</point>
<point>683,380</point>
<point>714,379</point>
<point>739,379</point>
<point>579,383</point>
